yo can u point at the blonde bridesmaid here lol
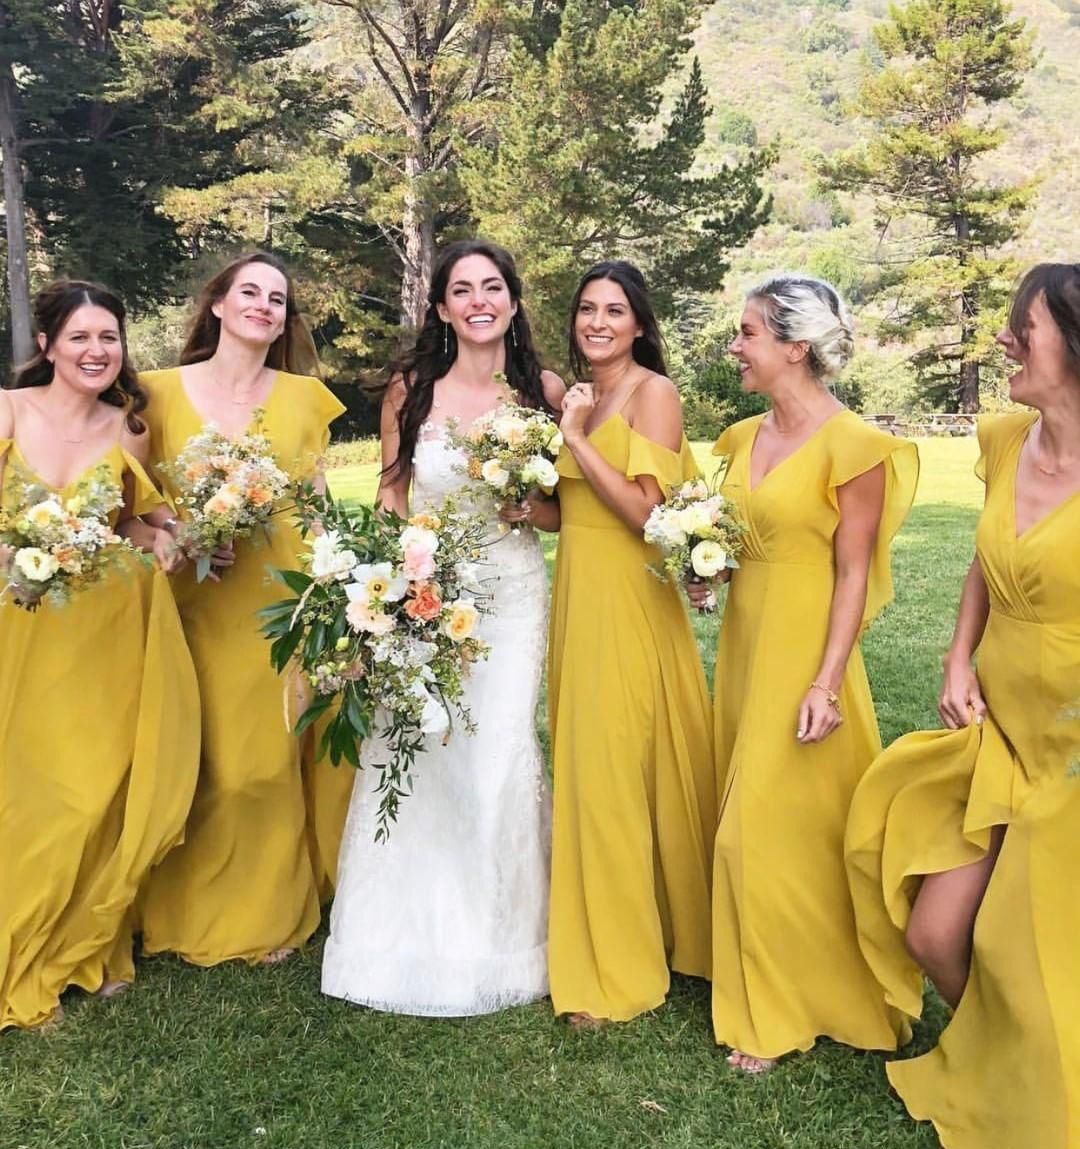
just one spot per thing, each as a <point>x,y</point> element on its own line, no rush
<point>823,494</point>
<point>264,831</point>
<point>963,844</point>
<point>99,721</point>
<point>634,797</point>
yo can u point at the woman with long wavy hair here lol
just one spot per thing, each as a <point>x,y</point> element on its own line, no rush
<point>98,704</point>
<point>448,917</point>
<point>635,800</point>
<point>262,838</point>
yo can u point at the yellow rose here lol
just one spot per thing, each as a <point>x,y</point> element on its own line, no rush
<point>462,621</point>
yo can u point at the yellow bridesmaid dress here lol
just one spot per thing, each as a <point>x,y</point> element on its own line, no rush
<point>634,793</point>
<point>1006,1074</point>
<point>786,961</point>
<point>262,840</point>
<point>99,752</point>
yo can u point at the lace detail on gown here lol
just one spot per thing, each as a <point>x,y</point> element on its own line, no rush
<point>449,917</point>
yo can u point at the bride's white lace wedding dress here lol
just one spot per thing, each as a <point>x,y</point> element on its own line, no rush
<point>449,916</point>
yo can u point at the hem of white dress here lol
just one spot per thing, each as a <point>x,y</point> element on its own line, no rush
<point>497,983</point>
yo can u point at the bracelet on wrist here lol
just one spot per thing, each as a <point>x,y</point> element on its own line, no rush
<point>831,696</point>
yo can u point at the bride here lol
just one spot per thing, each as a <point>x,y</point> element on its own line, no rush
<point>449,916</point>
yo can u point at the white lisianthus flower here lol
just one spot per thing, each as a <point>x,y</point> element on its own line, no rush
<point>540,472</point>
<point>663,530</point>
<point>708,559</point>
<point>328,561</point>
<point>434,719</point>
<point>36,564</point>
<point>376,582</point>
<point>494,474</point>
<point>510,429</point>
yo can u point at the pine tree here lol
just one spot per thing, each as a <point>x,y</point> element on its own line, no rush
<point>428,71</point>
<point>948,63</point>
<point>582,163</point>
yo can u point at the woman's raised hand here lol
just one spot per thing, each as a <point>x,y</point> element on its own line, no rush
<point>577,405</point>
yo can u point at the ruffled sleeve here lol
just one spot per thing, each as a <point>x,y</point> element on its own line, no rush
<point>322,407</point>
<point>669,468</point>
<point>855,448</point>
<point>996,432</point>
<point>145,495</point>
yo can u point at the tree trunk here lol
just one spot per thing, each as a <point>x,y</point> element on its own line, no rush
<point>967,390</point>
<point>18,272</point>
<point>419,228</point>
<point>418,220</point>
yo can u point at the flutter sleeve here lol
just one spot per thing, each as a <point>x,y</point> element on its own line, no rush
<point>855,449</point>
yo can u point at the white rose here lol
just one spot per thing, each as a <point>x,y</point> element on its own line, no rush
<point>510,429</point>
<point>540,472</point>
<point>695,519</point>
<point>420,538</point>
<point>494,474</point>
<point>36,564</point>
<point>708,559</point>
<point>555,439</point>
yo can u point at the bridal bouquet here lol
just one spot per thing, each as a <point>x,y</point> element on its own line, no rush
<point>226,488</point>
<point>57,545</point>
<point>512,450</point>
<point>698,531</point>
<point>382,621</point>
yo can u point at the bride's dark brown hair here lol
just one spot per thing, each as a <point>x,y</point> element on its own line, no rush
<point>292,351</point>
<point>53,307</point>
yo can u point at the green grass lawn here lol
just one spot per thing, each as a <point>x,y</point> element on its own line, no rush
<point>236,1057</point>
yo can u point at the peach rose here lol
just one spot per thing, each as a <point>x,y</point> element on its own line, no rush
<point>426,603</point>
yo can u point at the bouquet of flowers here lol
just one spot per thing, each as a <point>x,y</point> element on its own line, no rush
<point>226,488</point>
<point>512,451</point>
<point>382,622</point>
<point>698,531</point>
<point>58,545</point>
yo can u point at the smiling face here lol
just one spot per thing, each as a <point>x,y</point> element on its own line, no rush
<point>605,325</point>
<point>87,353</point>
<point>253,309</point>
<point>477,304</point>
<point>1040,350</point>
<point>762,357</point>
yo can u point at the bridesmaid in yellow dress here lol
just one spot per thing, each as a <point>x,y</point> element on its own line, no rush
<point>99,733</point>
<point>634,797</point>
<point>964,844</point>
<point>823,494</point>
<point>262,840</point>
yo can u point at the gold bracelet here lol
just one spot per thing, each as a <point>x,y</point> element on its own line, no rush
<point>831,697</point>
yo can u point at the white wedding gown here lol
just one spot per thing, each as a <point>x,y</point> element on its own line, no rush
<point>448,917</point>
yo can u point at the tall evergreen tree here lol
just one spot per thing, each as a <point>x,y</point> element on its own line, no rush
<point>948,63</point>
<point>428,71</point>
<point>582,163</point>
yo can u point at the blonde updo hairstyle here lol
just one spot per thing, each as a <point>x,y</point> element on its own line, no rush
<point>801,309</point>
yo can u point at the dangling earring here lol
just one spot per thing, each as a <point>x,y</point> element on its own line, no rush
<point>446,338</point>
<point>513,333</point>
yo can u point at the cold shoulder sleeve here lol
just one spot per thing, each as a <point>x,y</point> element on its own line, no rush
<point>669,468</point>
<point>856,448</point>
